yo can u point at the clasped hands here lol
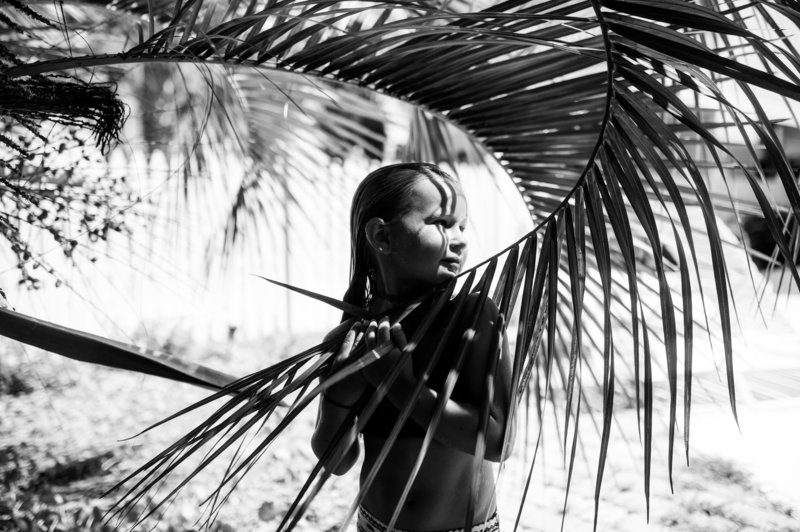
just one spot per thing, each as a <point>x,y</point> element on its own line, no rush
<point>382,341</point>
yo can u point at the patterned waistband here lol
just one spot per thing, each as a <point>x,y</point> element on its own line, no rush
<point>369,523</point>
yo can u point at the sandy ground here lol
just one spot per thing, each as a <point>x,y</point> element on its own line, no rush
<point>62,444</point>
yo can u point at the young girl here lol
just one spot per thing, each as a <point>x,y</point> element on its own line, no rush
<point>407,233</point>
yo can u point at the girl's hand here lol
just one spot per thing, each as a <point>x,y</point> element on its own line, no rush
<point>347,391</point>
<point>352,338</point>
<point>379,336</point>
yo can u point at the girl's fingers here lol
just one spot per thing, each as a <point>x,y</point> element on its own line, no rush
<point>370,337</point>
<point>359,333</point>
<point>398,336</point>
<point>350,340</point>
<point>383,331</point>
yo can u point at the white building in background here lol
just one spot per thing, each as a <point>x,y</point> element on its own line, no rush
<point>166,284</point>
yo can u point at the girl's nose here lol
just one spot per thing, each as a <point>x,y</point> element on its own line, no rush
<point>457,239</point>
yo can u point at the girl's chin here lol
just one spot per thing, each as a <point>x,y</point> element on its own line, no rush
<point>447,273</point>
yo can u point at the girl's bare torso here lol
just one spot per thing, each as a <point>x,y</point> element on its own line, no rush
<point>440,493</point>
<point>442,490</point>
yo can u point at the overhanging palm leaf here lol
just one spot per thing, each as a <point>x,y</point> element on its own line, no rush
<point>584,104</point>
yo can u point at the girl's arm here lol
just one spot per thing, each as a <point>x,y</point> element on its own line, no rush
<point>460,420</point>
<point>334,409</point>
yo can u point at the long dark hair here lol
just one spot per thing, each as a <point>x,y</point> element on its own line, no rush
<point>384,193</point>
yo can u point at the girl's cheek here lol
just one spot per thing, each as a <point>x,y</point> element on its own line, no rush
<point>434,237</point>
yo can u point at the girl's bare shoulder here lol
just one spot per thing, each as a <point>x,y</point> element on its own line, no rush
<point>488,311</point>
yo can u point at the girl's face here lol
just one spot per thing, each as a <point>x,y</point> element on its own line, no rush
<point>428,245</point>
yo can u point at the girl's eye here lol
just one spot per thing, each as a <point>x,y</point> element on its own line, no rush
<point>448,223</point>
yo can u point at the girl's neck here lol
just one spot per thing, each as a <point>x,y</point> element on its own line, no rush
<point>382,300</point>
<point>389,291</point>
<point>390,298</point>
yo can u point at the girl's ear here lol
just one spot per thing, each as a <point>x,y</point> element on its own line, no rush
<point>378,236</point>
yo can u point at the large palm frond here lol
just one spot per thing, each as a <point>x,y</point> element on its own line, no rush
<point>597,110</point>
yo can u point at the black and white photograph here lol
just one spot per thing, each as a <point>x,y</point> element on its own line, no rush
<point>409,266</point>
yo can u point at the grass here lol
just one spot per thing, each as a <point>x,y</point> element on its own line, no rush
<point>38,497</point>
<point>717,495</point>
<point>12,383</point>
<point>66,436</point>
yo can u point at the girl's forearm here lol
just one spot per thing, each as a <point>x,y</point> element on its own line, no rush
<point>459,423</point>
<point>329,422</point>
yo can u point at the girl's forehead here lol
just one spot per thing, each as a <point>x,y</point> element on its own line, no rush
<point>438,195</point>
